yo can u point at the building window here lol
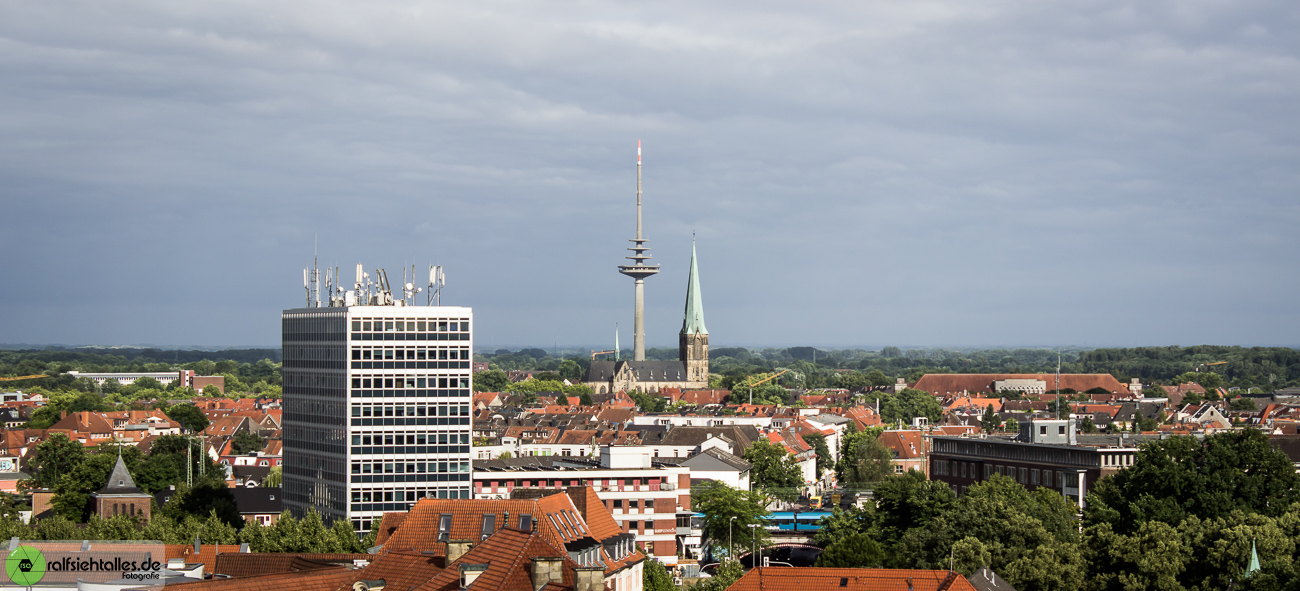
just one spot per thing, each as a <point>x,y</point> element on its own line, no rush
<point>444,527</point>
<point>489,523</point>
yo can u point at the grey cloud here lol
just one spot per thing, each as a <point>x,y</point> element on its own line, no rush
<point>856,173</point>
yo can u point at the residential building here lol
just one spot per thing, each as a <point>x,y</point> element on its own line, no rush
<point>260,504</point>
<point>972,383</point>
<point>718,465</point>
<point>1065,461</point>
<point>574,523</point>
<point>643,495</point>
<point>910,449</point>
<point>185,377</point>
<point>376,407</point>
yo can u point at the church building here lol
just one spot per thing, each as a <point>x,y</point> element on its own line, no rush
<point>690,371</point>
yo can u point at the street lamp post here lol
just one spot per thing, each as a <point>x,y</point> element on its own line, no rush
<point>753,544</point>
<point>730,552</point>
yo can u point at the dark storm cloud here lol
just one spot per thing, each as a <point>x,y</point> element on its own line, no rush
<point>893,173</point>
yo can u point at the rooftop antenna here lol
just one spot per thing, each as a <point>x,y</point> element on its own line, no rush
<point>1058,384</point>
<point>436,281</point>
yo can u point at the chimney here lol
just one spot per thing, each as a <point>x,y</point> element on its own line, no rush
<point>456,549</point>
<point>589,578</point>
<point>578,494</point>
<point>469,573</point>
<point>547,569</point>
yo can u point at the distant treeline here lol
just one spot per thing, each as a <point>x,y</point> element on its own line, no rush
<point>86,358</point>
<point>255,371</point>
<point>1265,367</point>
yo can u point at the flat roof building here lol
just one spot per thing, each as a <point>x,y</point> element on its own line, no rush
<point>376,403</point>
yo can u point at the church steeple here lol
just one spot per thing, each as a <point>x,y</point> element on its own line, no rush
<point>693,342</point>
<point>694,321</point>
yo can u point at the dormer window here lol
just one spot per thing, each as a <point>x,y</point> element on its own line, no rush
<point>526,522</point>
<point>444,527</point>
<point>489,524</point>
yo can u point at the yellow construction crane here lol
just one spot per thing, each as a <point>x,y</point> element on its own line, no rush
<point>752,383</point>
<point>595,353</point>
<point>1198,368</point>
<point>23,378</point>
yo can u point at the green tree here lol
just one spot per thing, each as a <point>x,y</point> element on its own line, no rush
<point>825,461</point>
<point>147,382</point>
<point>274,477</point>
<point>1242,404</point>
<point>368,541</point>
<point>723,578</point>
<point>570,370</point>
<point>864,458</point>
<point>1030,536</point>
<point>206,497</point>
<point>1153,557</point>
<point>57,527</point>
<point>969,555</point>
<point>856,550</point>
<point>654,577</point>
<point>348,540</point>
<point>492,380</point>
<point>189,416</point>
<point>54,457</point>
<point>914,403</point>
<point>585,399</point>
<point>775,471</point>
<point>844,522</point>
<point>247,442</point>
<point>991,421</point>
<point>1180,476</point>
<point>729,514</point>
<point>909,501</point>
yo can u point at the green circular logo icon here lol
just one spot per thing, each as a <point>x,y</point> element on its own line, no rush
<point>25,565</point>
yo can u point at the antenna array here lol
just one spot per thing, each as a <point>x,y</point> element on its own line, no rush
<point>367,290</point>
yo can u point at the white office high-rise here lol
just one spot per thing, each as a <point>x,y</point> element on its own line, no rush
<point>376,405</point>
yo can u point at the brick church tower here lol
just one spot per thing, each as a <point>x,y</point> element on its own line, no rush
<point>693,342</point>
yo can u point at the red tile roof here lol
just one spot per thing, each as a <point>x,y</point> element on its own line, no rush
<point>557,518</point>
<point>850,579</point>
<point>955,383</point>
<point>332,579</point>
<point>905,444</point>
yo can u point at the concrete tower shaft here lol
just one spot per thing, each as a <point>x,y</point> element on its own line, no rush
<point>639,270</point>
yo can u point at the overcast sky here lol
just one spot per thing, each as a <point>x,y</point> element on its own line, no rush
<point>856,174</point>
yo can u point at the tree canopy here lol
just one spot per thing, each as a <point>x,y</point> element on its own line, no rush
<point>775,471</point>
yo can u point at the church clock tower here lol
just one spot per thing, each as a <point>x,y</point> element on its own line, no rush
<point>693,342</point>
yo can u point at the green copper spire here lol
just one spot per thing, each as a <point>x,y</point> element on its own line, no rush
<point>694,323</point>
<point>1253,567</point>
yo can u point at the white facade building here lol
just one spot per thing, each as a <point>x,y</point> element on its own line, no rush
<point>185,376</point>
<point>644,499</point>
<point>376,408</point>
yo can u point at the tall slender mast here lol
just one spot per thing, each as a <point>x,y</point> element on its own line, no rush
<point>639,270</point>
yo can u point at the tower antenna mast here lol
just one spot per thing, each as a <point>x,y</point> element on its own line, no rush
<point>639,270</point>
